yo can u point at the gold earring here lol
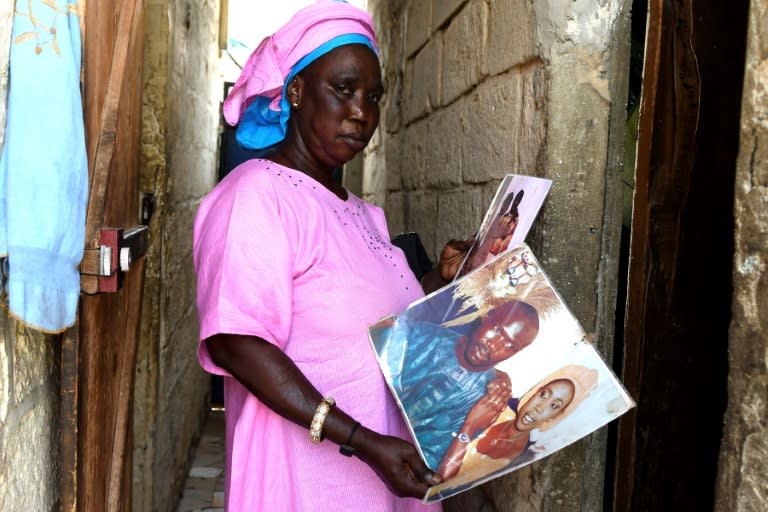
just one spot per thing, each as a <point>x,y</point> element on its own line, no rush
<point>296,104</point>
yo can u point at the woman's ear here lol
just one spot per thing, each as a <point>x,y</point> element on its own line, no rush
<point>294,91</point>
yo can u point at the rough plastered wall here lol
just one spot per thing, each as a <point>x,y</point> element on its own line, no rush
<point>179,160</point>
<point>480,88</point>
<point>29,384</point>
<point>29,418</point>
<point>743,467</point>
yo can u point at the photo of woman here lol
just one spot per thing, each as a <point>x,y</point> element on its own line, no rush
<point>508,220</point>
<point>542,407</point>
<point>479,452</point>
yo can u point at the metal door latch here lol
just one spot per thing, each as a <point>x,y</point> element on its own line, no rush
<point>102,268</point>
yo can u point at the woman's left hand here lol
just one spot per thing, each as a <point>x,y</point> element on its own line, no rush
<point>397,463</point>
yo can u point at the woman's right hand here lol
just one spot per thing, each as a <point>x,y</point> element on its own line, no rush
<point>397,463</point>
<point>448,265</point>
<point>451,257</point>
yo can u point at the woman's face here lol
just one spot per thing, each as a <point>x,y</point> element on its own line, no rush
<point>339,104</point>
<point>548,402</point>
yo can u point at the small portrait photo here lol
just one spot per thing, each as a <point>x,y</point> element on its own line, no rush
<point>508,220</point>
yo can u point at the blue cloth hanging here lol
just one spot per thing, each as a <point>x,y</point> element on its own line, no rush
<point>43,167</point>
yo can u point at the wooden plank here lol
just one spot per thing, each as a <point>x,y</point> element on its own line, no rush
<point>100,22</point>
<point>100,316</point>
<point>70,354</point>
<point>121,457</point>
<point>633,339</point>
<point>109,323</point>
<point>105,148</point>
<point>675,362</point>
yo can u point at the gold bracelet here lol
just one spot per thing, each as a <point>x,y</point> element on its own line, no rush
<point>316,427</point>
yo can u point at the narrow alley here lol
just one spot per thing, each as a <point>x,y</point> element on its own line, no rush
<point>204,486</point>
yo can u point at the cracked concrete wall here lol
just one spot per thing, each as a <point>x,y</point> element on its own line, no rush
<point>29,383</point>
<point>477,89</point>
<point>742,482</point>
<point>180,121</point>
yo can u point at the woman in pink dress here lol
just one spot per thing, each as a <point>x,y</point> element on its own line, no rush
<point>291,270</point>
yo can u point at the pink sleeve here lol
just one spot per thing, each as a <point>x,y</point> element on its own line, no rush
<point>244,265</point>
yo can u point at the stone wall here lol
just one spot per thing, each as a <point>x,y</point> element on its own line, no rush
<point>742,481</point>
<point>480,88</point>
<point>29,418</point>
<point>29,385</point>
<point>180,121</point>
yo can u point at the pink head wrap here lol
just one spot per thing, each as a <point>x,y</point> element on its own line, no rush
<point>269,65</point>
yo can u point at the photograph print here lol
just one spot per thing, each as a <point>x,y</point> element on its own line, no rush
<point>508,220</point>
<point>494,372</point>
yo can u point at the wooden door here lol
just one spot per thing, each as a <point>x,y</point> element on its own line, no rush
<point>98,357</point>
<point>679,292</point>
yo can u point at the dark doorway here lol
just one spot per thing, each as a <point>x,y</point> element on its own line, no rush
<point>231,154</point>
<point>681,253</point>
